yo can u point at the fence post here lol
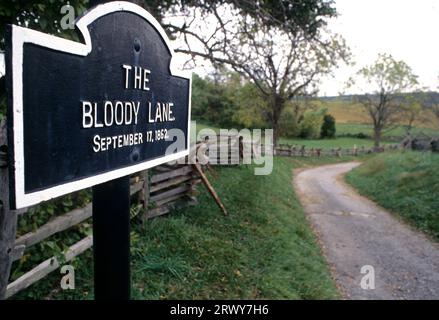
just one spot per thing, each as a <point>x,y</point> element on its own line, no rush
<point>8,218</point>
<point>144,194</point>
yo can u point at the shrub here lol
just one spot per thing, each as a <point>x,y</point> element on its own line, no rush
<point>311,124</point>
<point>328,127</point>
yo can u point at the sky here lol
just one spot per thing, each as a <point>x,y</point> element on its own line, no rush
<point>406,29</point>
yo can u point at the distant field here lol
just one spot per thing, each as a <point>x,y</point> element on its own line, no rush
<point>348,112</point>
<point>367,129</point>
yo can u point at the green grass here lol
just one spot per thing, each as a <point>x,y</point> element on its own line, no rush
<point>406,183</point>
<point>264,249</point>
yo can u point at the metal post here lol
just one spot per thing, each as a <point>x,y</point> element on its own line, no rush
<point>111,239</point>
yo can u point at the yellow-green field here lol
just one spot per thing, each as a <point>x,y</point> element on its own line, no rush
<point>349,112</point>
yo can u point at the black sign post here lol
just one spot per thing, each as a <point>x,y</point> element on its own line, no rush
<point>111,236</point>
<point>90,114</point>
<point>111,239</point>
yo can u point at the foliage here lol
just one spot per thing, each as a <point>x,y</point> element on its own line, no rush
<point>311,124</point>
<point>328,127</point>
<point>411,184</point>
<point>289,122</point>
<point>412,110</point>
<point>41,15</point>
<point>232,102</point>
<point>211,103</point>
<point>303,118</point>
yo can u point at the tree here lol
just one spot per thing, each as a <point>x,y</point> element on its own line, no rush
<point>328,127</point>
<point>435,109</point>
<point>280,46</point>
<point>211,102</point>
<point>282,55</point>
<point>42,15</point>
<point>388,79</point>
<point>412,110</point>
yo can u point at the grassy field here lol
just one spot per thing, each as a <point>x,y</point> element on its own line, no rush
<point>348,112</point>
<point>344,129</point>
<point>406,183</point>
<point>264,249</point>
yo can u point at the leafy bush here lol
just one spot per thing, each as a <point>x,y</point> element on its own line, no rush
<point>328,127</point>
<point>311,124</point>
<point>228,103</point>
<point>289,123</point>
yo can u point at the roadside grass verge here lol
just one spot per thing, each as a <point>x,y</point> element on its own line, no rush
<point>264,248</point>
<point>405,183</point>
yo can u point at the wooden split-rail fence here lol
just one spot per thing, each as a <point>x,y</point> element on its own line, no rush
<point>159,191</point>
<point>168,187</point>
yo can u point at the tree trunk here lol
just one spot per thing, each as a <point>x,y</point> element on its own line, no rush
<point>277,107</point>
<point>377,137</point>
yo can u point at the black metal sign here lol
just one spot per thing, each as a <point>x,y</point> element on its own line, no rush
<point>81,114</point>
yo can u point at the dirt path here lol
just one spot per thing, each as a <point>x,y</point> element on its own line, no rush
<point>354,232</point>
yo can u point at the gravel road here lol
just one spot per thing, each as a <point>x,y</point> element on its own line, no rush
<point>354,232</point>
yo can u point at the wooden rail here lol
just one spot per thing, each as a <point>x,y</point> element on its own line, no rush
<point>161,190</point>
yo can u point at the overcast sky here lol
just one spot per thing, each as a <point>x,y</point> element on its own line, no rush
<point>407,29</point>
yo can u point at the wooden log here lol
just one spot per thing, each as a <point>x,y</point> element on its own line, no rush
<point>169,183</point>
<point>135,188</point>
<point>171,199</point>
<point>163,168</point>
<point>157,212</point>
<point>171,174</point>
<point>17,252</point>
<point>58,224</point>
<point>61,223</point>
<point>46,267</point>
<point>64,222</point>
<point>134,179</point>
<point>145,191</point>
<point>209,187</point>
<point>167,208</point>
<point>169,193</point>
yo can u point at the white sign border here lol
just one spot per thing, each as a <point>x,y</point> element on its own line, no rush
<point>20,36</point>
